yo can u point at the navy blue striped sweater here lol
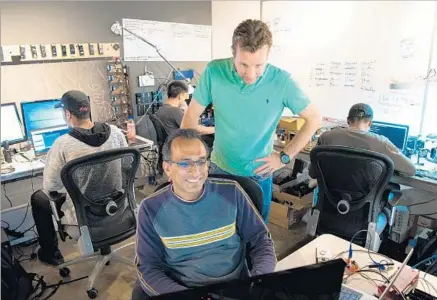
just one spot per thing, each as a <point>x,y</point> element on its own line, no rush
<point>184,244</point>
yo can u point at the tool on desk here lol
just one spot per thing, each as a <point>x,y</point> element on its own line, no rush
<point>387,288</point>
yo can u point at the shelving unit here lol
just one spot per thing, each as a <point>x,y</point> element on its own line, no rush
<point>118,81</point>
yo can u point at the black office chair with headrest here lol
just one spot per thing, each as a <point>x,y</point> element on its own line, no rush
<point>351,185</point>
<point>101,187</point>
<point>252,189</point>
<point>161,136</point>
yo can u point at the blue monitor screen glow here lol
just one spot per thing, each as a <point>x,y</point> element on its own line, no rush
<point>396,133</point>
<point>41,115</point>
<point>43,139</point>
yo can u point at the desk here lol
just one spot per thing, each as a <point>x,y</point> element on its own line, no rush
<point>306,256</point>
<point>23,170</point>
<point>420,183</point>
<point>19,185</point>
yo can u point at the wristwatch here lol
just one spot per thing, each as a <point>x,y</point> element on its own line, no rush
<point>285,158</point>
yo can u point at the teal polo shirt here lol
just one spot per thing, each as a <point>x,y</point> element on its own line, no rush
<point>246,116</point>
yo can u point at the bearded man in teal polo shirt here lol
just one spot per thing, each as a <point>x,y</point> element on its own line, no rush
<point>249,96</point>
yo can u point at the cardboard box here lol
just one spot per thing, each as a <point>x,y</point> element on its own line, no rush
<point>291,210</point>
<point>291,123</point>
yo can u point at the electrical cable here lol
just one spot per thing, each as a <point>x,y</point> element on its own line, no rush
<point>424,261</point>
<point>7,198</point>
<point>7,224</point>
<point>24,219</point>
<point>425,202</point>
<point>429,268</point>
<point>385,278</point>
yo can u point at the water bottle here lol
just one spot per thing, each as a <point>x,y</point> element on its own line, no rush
<point>131,133</point>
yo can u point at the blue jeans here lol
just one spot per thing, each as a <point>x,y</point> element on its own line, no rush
<point>266,185</point>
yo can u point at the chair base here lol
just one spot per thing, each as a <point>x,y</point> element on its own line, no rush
<point>102,260</point>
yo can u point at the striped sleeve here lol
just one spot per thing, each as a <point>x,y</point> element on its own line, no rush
<point>255,235</point>
<point>148,258</point>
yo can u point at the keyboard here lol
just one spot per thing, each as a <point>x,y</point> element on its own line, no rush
<point>349,294</point>
<point>426,174</point>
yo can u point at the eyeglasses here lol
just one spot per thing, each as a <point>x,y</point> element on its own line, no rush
<point>186,164</point>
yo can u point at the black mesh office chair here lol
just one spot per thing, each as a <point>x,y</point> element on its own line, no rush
<point>161,136</point>
<point>351,185</point>
<point>101,187</point>
<point>252,189</point>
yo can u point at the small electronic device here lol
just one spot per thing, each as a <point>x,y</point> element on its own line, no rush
<point>54,51</point>
<point>91,48</point>
<point>23,52</point>
<point>100,48</point>
<point>42,48</point>
<point>64,50</point>
<point>11,130</point>
<point>399,224</point>
<point>80,47</point>
<point>72,50</point>
<point>33,51</point>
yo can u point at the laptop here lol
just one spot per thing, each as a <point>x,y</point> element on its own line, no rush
<point>43,139</point>
<point>316,282</point>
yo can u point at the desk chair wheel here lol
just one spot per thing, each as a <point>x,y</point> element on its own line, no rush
<point>92,293</point>
<point>64,272</point>
<point>108,263</point>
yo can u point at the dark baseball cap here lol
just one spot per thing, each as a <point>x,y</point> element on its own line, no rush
<point>361,110</point>
<point>76,102</point>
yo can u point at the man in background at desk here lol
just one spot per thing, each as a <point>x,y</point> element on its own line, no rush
<point>249,96</point>
<point>197,231</point>
<point>357,135</point>
<point>172,112</point>
<point>85,137</point>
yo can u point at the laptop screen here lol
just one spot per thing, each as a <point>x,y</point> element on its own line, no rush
<point>43,139</point>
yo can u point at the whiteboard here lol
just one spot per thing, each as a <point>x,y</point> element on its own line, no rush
<point>344,52</point>
<point>226,15</point>
<point>176,41</point>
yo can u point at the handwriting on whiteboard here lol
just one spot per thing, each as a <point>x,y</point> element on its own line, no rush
<point>347,74</point>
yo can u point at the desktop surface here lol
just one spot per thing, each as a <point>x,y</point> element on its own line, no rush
<point>41,115</point>
<point>11,124</point>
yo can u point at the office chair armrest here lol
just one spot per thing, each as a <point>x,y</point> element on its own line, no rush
<point>394,196</point>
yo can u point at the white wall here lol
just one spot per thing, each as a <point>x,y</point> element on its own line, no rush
<point>226,15</point>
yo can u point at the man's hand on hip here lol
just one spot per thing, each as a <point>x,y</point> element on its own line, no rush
<point>271,164</point>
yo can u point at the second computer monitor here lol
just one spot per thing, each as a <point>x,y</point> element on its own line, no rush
<point>396,133</point>
<point>41,114</point>
<point>11,125</point>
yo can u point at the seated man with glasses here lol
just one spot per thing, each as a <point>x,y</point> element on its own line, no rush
<point>196,230</point>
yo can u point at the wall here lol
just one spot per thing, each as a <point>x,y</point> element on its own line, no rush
<point>46,22</point>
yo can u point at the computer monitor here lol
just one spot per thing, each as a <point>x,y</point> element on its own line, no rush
<point>43,139</point>
<point>396,133</point>
<point>11,130</point>
<point>318,281</point>
<point>41,115</point>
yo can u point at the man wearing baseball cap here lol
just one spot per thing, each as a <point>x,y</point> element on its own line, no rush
<point>357,135</point>
<point>85,137</point>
